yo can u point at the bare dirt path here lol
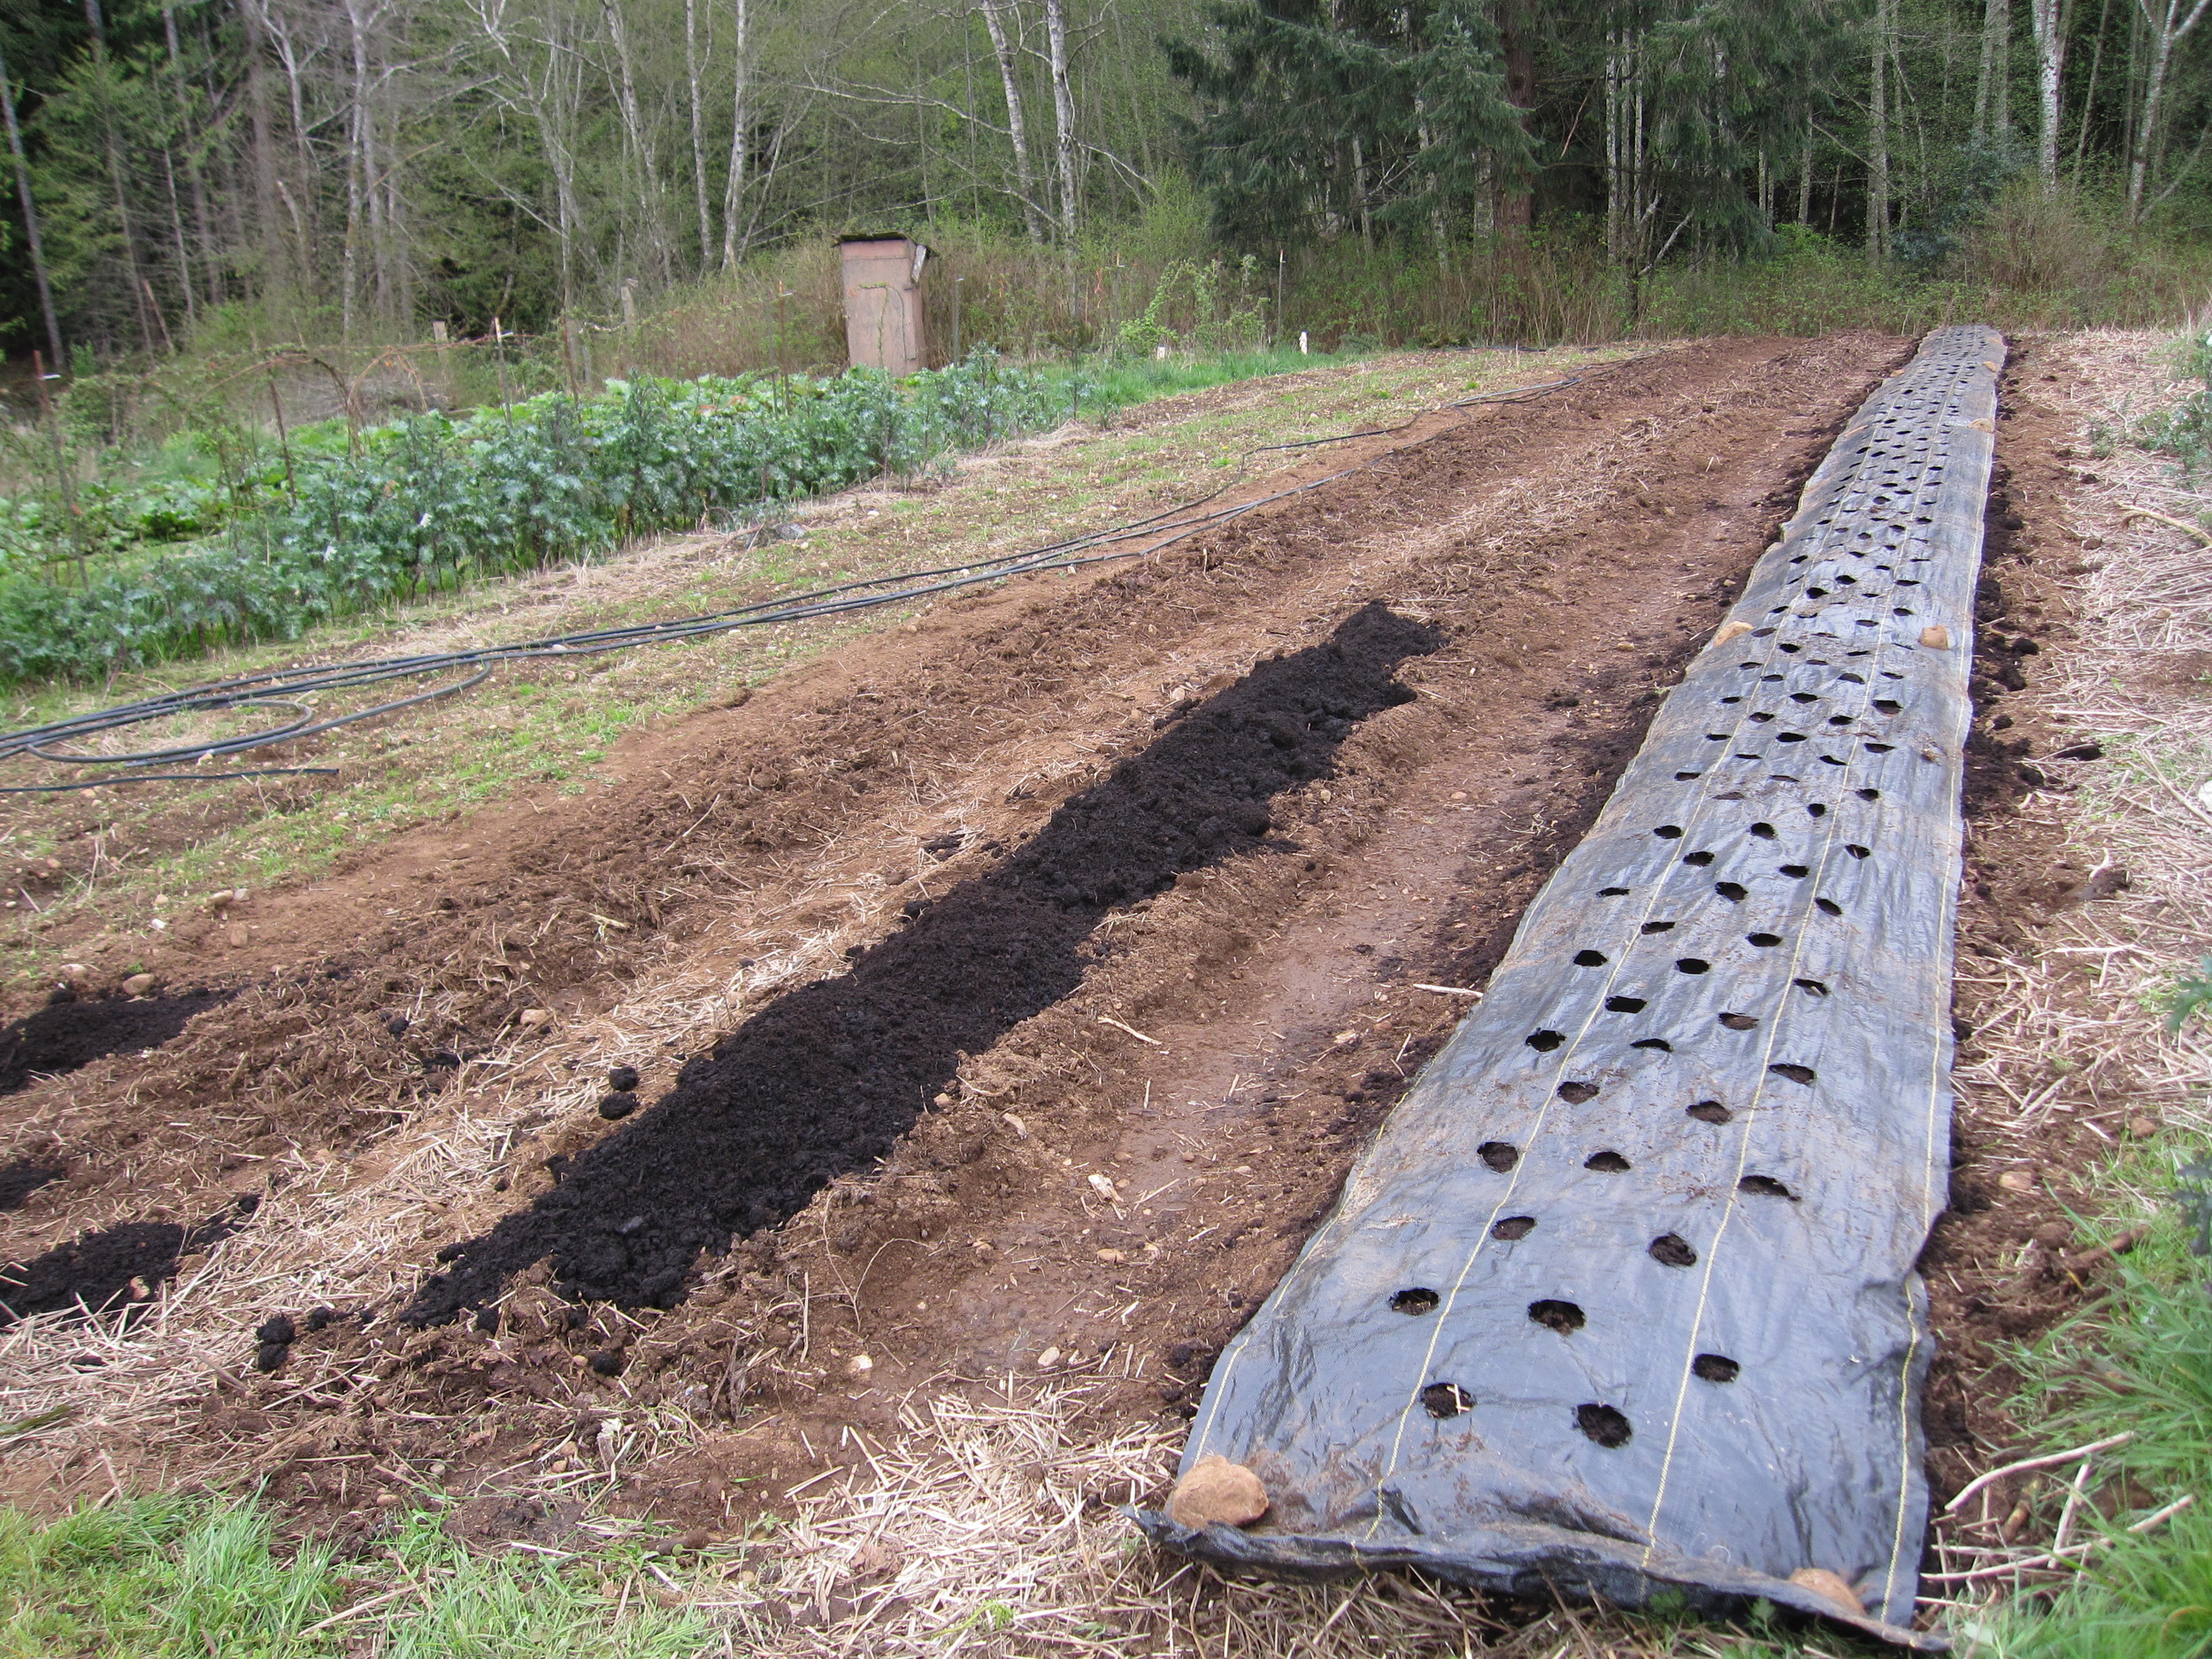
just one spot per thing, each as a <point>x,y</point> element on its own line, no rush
<point>1102,1189</point>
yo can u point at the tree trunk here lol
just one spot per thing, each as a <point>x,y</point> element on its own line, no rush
<point>1515,209</point>
<point>1063,114</point>
<point>262,158</point>
<point>698,134</point>
<point>357,162</point>
<point>1805,178</point>
<point>647,174</point>
<point>131,272</point>
<point>2168,28</point>
<point>1016,119</point>
<point>2050,66</point>
<point>1877,133</point>
<point>196,183</point>
<point>741,124</point>
<point>30,221</point>
<point>1993,87</point>
<point>2089,94</point>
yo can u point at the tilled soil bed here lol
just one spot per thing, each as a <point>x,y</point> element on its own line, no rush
<point>1008,991</point>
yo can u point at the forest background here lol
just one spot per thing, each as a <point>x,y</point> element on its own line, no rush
<point>313,307</point>
<point>656,183</point>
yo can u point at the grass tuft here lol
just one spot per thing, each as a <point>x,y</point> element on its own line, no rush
<point>177,1577</point>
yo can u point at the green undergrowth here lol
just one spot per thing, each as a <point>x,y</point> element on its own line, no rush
<point>432,502</point>
<point>179,1578</point>
<point>2184,430</point>
<point>2137,1361</point>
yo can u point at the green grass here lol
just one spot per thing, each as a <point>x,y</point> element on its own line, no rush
<point>1122,382</point>
<point>2137,1362</point>
<point>177,1577</point>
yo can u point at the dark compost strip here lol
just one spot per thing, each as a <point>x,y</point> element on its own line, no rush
<point>1621,1300</point>
<point>826,1078</point>
<point>18,1180</point>
<point>96,1272</point>
<point>75,1031</point>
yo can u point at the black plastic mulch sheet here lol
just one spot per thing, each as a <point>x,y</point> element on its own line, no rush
<point>1622,1298</point>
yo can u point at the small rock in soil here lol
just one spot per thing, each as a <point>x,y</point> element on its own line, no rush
<point>1217,1492</point>
<point>139,983</point>
<point>618,1106</point>
<point>1831,1587</point>
<point>623,1079</point>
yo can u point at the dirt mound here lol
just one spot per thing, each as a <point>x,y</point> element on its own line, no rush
<point>825,1078</point>
<point>116,1264</point>
<point>73,1031</point>
<point>18,1180</point>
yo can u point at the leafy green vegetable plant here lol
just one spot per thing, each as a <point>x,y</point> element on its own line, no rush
<point>432,501</point>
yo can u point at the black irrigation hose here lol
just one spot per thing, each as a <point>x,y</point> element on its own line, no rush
<point>285,687</point>
<point>169,776</point>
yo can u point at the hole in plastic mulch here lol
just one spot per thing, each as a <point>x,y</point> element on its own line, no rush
<point>1604,1425</point>
<point>1764,831</point>
<point>1660,1043</point>
<point>1698,859</point>
<point>1734,892</point>
<point>1514,1227</point>
<point>1765,942</point>
<point>1499,1154</point>
<point>1575,1094</point>
<point>1766,1186</point>
<point>1607,1163</point>
<point>1446,1400</point>
<point>1828,907</point>
<point>1671,1250</point>
<point>1812,987</point>
<point>1612,892</point>
<point>1415,1299</point>
<point>1857,851</point>
<point>1739,1022</point>
<point>1708,1111</point>
<point>1563,1316</point>
<point>1795,1073</point>
<point>1589,959</point>
<point>1692,965</point>
<point>1670,832</point>
<point>1716,1368</point>
<point>1623,1004</point>
<point>1544,1041</point>
<point>1658,927</point>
